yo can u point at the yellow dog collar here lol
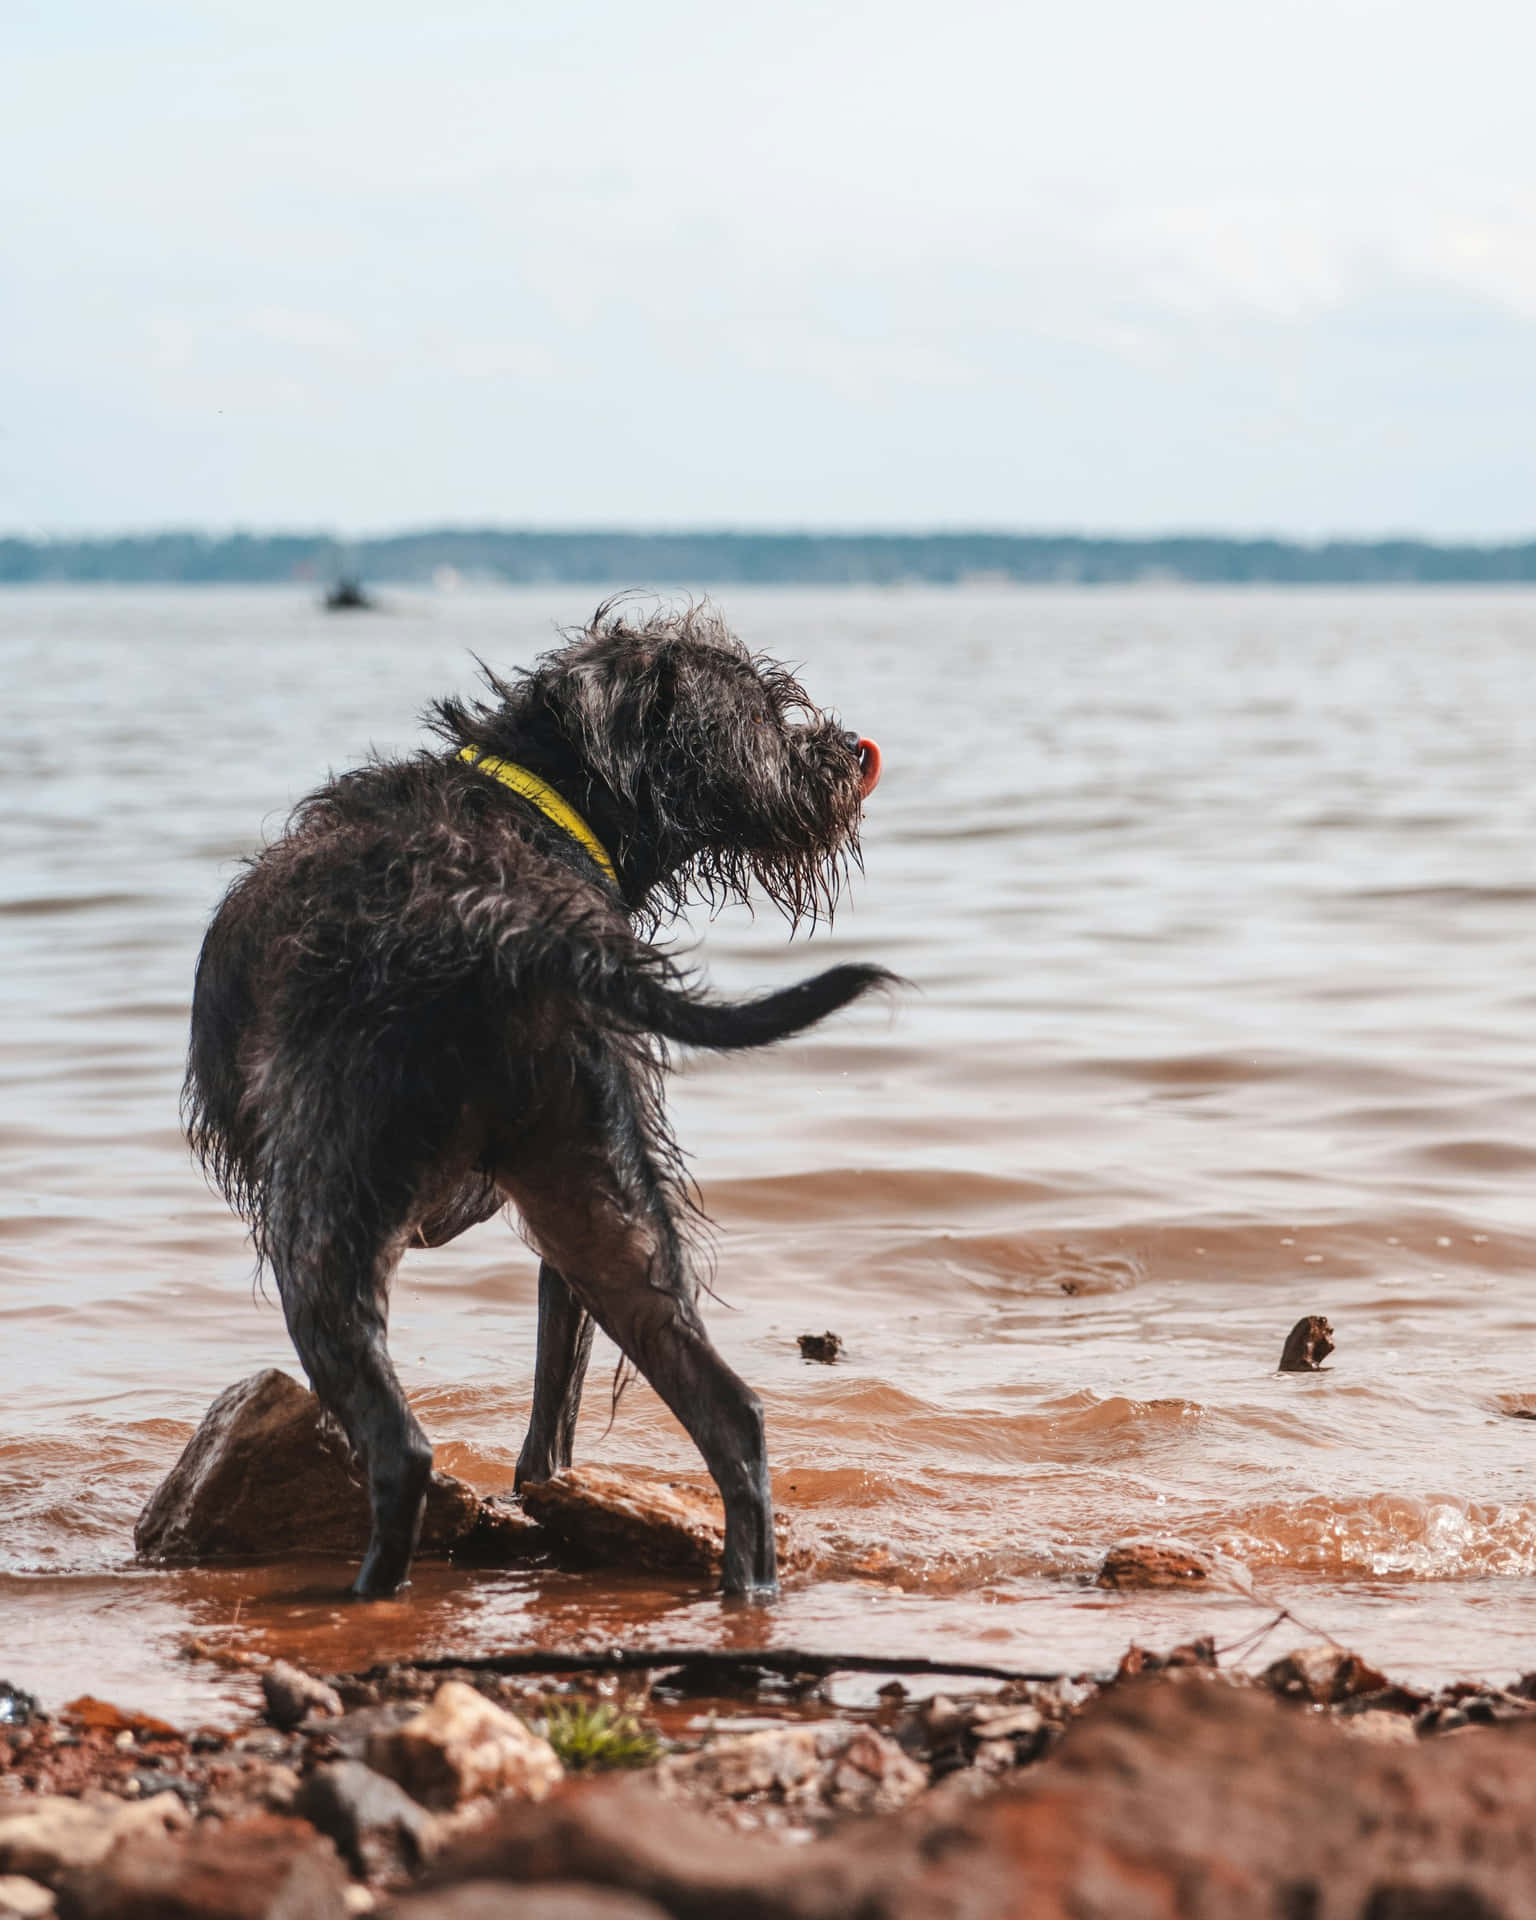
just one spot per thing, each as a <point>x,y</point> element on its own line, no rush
<point>544,797</point>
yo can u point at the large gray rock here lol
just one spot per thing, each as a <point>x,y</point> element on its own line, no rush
<point>377,1828</point>
<point>267,1474</point>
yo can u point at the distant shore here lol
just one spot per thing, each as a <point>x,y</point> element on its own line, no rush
<point>617,559</point>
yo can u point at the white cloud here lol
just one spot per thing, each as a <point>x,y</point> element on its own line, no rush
<point>1114,264</point>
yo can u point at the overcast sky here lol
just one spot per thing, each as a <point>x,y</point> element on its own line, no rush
<point>1098,264</point>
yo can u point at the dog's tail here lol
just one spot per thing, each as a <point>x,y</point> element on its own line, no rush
<point>683,1015</point>
<point>620,980</point>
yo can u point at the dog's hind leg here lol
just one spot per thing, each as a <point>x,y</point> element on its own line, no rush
<point>335,1294</point>
<point>661,1332</point>
<point>565,1346</point>
<point>597,1208</point>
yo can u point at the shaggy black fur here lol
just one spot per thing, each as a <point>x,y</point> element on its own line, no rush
<point>426,1000</point>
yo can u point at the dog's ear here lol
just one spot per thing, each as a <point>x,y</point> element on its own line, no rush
<point>613,701</point>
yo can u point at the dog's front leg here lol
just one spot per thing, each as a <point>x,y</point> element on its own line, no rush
<point>565,1346</point>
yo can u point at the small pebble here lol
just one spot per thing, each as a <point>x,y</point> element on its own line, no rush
<point>825,1347</point>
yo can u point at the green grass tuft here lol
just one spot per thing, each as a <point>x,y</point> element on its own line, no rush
<point>590,1735</point>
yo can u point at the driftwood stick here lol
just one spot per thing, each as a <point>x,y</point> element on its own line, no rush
<point>791,1662</point>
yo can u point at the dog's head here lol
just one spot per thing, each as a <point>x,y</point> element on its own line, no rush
<point>710,771</point>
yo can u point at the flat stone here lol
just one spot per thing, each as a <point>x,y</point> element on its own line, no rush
<point>50,1835</point>
<point>495,1900</point>
<point>264,1868</point>
<point>378,1829</point>
<point>1152,1563</point>
<point>268,1474</point>
<point>1383,1729</point>
<point>461,1746</point>
<point>630,1523</point>
<point>23,1899</point>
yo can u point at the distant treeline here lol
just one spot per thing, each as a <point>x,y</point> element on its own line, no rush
<point>602,559</point>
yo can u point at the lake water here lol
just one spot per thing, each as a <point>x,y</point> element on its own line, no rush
<point>1220,911</point>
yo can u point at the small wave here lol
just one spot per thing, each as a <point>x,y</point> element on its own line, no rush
<point>48,905</point>
<point>1019,1264</point>
<point>859,1193</point>
<point>1194,1071</point>
<point>1478,1156</point>
<point>1434,1537</point>
<point>1454,896</point>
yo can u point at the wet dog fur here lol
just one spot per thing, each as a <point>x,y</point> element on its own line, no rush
<point>425,1001</point>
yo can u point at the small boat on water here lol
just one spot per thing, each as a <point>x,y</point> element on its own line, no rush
<point>347,596</point>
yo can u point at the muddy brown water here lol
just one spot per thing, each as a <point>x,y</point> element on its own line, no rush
<point>1221,914</point>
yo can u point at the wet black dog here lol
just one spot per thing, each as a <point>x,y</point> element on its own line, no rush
<point>433,996</point>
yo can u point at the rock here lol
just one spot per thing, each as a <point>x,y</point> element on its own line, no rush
<point>50,1835</point>
<point>23,1899</point>
<point>779,1761</point>
<point>871,1774</point>
<point>1152,1563</point>
<point>825,1347</point>
<point>1200,1652</point>
<point>267,1474</point>
<point>104,1717</point>
<point>293,1695</point>
<point>1307,1345</point>
<point>628,1523</point>
<point>494,1900</point>
<point>814,1769</point>
<point>624,1838</point>
<point>378,1829</point>
<point>1006,1723</point>
<point>463,1745</point>
<point>503,1532</point>
<point>1385,1729</point>
<point>264,1868</point>
<point>1325,1675</point>
<point>618,1521</point>
<point>985,1735</point>
<point>259,1786</point>
<point>349,1737</point>
<point>17,1707</point>
<point>1170,1797</point>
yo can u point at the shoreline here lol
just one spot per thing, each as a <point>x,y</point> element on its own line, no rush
<point>372,1787</point>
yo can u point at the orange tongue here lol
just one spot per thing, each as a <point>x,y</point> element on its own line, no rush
<point>869,766</point>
